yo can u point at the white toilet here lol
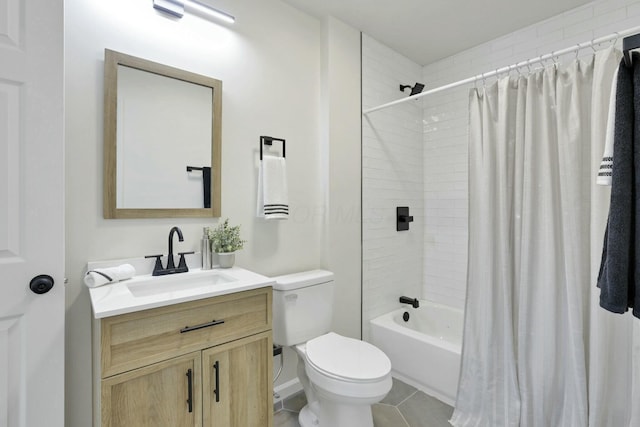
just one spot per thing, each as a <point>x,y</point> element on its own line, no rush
<point>342,377</point>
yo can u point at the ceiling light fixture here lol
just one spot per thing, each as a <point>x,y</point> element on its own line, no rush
<point>177,7</point>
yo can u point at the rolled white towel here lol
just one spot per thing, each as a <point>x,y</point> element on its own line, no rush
<point>103,276</point>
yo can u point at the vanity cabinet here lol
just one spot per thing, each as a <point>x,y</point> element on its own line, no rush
<point>204,363</point>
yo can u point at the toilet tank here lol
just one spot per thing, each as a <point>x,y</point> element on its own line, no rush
<point>302,306</point>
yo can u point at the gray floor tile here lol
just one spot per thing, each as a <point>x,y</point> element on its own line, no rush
<point>399,392</point>
<point>404,406</point>
<point>421,410</point>
<point>295,402</point>
<point>285,419</point>
<point>387,416</point>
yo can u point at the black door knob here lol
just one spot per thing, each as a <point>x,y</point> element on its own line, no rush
<point>41,284</point>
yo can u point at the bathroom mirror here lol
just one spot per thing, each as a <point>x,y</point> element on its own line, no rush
<point>162,140</point>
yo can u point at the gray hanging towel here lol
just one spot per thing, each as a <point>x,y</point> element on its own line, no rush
<point>634,286</point>
<point>619,276</point>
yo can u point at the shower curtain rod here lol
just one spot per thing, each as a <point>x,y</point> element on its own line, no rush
<point>509,68</point>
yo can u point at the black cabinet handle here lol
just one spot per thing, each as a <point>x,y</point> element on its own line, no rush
<point>190,391</point>
<point>216,391</point>
<point>204,325</point>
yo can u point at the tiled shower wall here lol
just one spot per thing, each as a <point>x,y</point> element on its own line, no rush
<point>446,130</point>
<point>392,175</point>
<point>431,260</point>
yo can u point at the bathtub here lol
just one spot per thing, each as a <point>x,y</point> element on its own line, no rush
<point>425,350</point>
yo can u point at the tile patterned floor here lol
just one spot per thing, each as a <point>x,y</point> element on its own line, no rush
<point>404,406</point>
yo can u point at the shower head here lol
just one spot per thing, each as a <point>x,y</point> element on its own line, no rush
<point>416,89</point>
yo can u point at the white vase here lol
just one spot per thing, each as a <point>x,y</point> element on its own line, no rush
<point>226,259</point>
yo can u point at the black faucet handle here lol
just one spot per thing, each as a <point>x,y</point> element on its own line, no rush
<point>182,264</point>
<point>158,266</point>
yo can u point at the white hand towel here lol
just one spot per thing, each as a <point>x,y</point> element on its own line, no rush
<point>273,199</point>
<point>103,276</point>
<point>606,166</point>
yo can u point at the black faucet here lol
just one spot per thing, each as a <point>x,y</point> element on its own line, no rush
<point>413,301</point>
<point>158,270</point>
<point>180,239</point>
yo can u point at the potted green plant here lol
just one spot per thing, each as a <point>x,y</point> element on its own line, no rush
<point>225,241</point>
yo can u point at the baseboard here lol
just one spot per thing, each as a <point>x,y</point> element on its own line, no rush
<point>286,390</point>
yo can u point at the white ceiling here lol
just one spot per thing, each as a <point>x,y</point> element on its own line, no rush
<point>428,30</point>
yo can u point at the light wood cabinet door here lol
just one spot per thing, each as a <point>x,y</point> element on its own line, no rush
<point>163,394</point>
<point>237,383</point>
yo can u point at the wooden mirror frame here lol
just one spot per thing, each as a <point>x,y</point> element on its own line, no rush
<point>112,60</point>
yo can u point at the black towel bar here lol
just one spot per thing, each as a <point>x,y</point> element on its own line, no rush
<point>268,140</point>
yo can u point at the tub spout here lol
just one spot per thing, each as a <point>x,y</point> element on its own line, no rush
<point>413,301</point>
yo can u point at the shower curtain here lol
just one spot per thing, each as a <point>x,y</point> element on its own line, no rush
<point>537,349</point>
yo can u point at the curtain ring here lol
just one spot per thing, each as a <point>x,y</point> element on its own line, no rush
<point>517,69</point>
<point>593,46</point>
<point>484,82</point>
<point>541,61</point>
<point>616,39</point>
<point>555,60</point>
<point>577,51</point>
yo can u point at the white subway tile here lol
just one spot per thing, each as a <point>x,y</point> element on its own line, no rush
<point>633,9</point>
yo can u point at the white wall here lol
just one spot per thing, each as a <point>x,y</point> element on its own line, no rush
<point>341,134</point>
<point>340,171</point>
<point>392,175</point>
<point>270,65</point>
<point>446,130</point>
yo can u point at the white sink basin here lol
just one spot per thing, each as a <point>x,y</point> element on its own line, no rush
<point>158,285</point>
<point>145,291</point>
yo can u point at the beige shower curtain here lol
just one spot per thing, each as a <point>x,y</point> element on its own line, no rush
<point>538,351</point>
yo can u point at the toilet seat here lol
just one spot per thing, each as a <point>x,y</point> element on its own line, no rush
<point>347,359</point>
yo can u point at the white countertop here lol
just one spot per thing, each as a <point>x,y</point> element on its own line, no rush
<point>117,298</point>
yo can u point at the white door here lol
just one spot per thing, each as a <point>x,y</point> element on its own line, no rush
<point>31,213</point>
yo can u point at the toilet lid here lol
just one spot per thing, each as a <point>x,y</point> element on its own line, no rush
<point>347,358</point>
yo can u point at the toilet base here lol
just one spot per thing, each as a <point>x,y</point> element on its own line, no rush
<point>337,415</point>
<point>306,418</point>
